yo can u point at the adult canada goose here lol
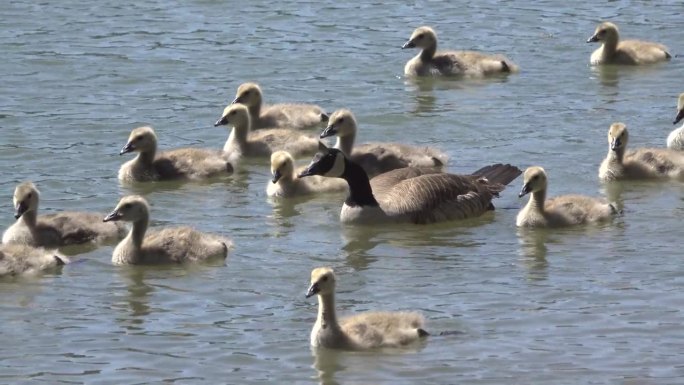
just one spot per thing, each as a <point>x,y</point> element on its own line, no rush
<point>55,230</point>
<point>262,143</point>
<point>641,163</point>
<point>18,259</point>
<point>377,158</point>
<point>286,184</point>
<point>363,331</point>
<point>429,62</point>
<point>565,210</point>
<point>675,140</point>
<point>411,194</point>
<point>633,52</point>
<point>182,163</point>
<point>283,115</point>
<point>168,245</point>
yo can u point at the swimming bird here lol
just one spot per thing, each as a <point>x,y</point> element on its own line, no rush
<point>632,52</point>
<point>163,246</point>
<point>55,230</point>
<point>641,163</point>
<point>282,115</point>
<point>18,259</point>
<point>470,64</point>
<point>560,211</point>
<point>286,184</point>
<point>262,143</point>
<point>377,158</point>
<point>411,194</point>
<point>362,331</point>
<point>182,163</point>
<point>675,140</point>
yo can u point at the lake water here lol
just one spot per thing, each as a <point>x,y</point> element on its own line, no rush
<point>599,305</point>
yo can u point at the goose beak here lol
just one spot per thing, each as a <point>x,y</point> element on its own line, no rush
<point>313,290</point>
<point>679,117</point>
<point>615,144</point>
<point>324,117</point>
<point>526,189</point>
<point>127,148</point>
<point>221,122</point>
<point>113,216</point>
<point>593,39</point>
<point>20,210</point>
<point>408,44</point>
<point>310,170</point>
<point>328,132</point>
<point>276,176</point>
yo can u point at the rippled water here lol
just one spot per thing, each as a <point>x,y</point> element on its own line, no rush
<point>599,305</point>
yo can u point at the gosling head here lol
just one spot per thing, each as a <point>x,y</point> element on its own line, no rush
<point>680,109</point>
<point>328,161</point>
<point>534,180</point>
<point>341,123</point>
<point>248,94</point>
<point>282,165</point>
<point>25,199</point>
<point>236,115</point>
<point>322,282</point>
<point>618,136</point>
<point>130,208</point>
<point>605,31</point>
<point>142,139</point>
<point>422,37</point>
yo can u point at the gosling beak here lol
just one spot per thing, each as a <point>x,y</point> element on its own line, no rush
<point>221,122</point>
<point>329,131</point>
<point>20,210</point>
<point>238,99</point>
<point>113,216</point>
<point>127,148</point>
<point>615,144</point>
<point>526,189</point>
<point>276,176</point>
<point>593,39</point>
<point>679,117</point>
<point>313,290</point>
<point>408,44</point>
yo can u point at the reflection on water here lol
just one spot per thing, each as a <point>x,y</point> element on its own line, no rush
<point>533,252</point>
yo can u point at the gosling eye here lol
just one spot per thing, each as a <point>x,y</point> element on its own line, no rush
<point>325,278</point>
<point>126,206</point>
<point>420,36</point>
<point>137,138</point>
<point>340,120</point>
<point>232,113</point>
<point>535,177</point>
<point>30,195</point>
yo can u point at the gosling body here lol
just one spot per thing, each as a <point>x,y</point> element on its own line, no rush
<point>20,259</point>
<point>286,184</point>
<point>675,140</point>
<point>626,52</point>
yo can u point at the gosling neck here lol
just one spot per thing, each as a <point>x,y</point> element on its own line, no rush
<point>610,45</point>
<point>255,110</point>
<point>137,233</point>
<point>428,53</point>
<point>360,192</point>
<point>326,312</point>
<point>146,157</point>
<point>616,156</point>
<point>346,143</point>
<point>30,218</point>
<point>238,137</point>
<point>536,201</point>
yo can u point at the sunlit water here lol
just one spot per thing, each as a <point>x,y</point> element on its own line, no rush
<point>597,305</point>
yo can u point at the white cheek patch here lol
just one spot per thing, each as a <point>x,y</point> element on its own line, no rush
<point>337,169</point>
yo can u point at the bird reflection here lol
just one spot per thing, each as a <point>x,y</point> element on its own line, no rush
<point>327,363</point>
<point>533,252</point>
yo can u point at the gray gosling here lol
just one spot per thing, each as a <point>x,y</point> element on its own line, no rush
<point>55,230</point>
<point>641,163</point>
<point>377,158</point>
<point>413,195</point>
<point>182,163</point>
<point>630,52</point>
<point>470,64</point>
<point>675,140</point>
<point>165,246</point>
<point>286,184</point>
<point>262,143</point>
<point>18,259</point>
<point>560,211</point>
<point>364,331</point>
<point>284,115</point>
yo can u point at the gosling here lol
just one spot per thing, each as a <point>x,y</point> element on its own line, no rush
<point>641,163</point>
<point>165,246</point>
<point>55,230</point>
<point>364,331</point>
<point>469,64</point>
<point>286,184</point>
<point>179,164</point>
<point>561,211</point>
<point>18,259</point>
<point>675,140</point>
<point>284,115</point>
<point>629,52</point>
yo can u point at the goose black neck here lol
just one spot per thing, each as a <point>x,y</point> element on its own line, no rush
<point>360,192</point>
